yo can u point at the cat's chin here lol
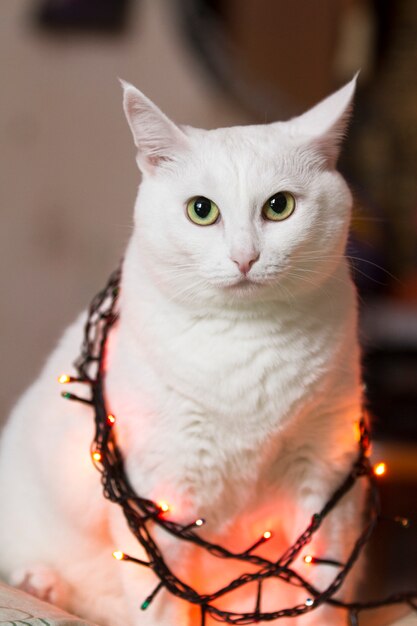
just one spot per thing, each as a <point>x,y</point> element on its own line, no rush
<point>244,287</point>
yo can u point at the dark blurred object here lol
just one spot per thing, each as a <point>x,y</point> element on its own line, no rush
<point>252,49</point>
<point>389,330</point>
<point>392,553</point>
<point>83,15</point>
<point>391,376</point>
<point>366,247</point>
<point>383,136</point>
<point>268,34</point>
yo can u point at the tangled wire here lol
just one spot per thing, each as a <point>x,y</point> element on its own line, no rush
<point>138,511</point>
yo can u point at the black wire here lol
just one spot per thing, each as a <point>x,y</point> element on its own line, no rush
<point>139,511</point>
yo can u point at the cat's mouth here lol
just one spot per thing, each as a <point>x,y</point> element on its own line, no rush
<point>242,283</point>
<point>247,284</point>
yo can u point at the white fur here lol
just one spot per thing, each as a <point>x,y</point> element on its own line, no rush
<point>235,400</point>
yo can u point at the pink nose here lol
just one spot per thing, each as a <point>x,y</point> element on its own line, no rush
<point>245,261</point>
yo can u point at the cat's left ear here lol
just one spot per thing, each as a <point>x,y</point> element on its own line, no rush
<point>326,123</point>
<point>158,140</point>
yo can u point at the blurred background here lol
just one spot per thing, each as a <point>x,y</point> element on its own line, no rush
<point>68,177</point>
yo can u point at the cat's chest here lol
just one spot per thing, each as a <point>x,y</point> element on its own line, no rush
<point>245,368</point>
<point>205,403</point>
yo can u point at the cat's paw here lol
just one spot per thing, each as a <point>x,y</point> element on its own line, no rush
<point>42,582</point>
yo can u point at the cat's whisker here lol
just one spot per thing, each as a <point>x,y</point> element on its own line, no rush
<point>285,289</point>
<point>338,279</point>
<point>342,281</point>
<point>373,264</point>
<point>190,291</point>
<point>293,274</point>
<point>329,257</point>
<point>182,293</point>
<point>320,286</point>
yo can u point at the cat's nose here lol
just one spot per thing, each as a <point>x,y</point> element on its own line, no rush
<point>245,260</point>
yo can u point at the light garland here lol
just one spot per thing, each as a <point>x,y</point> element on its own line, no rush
<point>138,511</point>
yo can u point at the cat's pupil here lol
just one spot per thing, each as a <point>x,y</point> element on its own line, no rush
<point>278,202</point>
<point>202,207</point>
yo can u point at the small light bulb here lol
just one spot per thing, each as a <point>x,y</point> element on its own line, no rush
<point>64,378</point>
<point>118,555</point>
<point>380,469</point>
<point>164,506</point>
<point>111,419</point>
<point>267,534</point>
<point>199,522</point>
<point>357,431</point>
<point>309,602</point>
<point>96,455</point>
<point>403,521</point>
<point>308,559</point>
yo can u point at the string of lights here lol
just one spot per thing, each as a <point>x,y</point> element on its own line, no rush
<point>142,514</point>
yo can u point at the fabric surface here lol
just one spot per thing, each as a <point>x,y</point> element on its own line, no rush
<point>18,608</point>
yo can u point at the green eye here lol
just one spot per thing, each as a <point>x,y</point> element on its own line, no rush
<point>202,211</point>
<point>279,206</point>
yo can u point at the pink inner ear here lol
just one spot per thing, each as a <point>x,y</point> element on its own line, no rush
<point>155,160</point>
<point>156,137</point>
<point>150,163</point>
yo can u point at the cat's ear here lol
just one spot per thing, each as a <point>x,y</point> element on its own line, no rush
<point>158,140</point>
<point>326,123</point>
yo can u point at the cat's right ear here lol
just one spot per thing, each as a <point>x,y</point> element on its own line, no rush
<point>326,123</point>
<point>158,140</point>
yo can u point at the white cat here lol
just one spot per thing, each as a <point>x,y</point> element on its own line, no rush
<point>233,372</point>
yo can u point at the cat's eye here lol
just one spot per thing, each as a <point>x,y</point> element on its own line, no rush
<point>279,206</point>
<point>202,211</point>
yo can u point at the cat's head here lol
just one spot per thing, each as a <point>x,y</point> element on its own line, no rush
<point>243,213</point>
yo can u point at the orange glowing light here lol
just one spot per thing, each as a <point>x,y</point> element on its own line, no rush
<point>96,456</point>
<point>267,534</point>
<point>64,378</point>
<point>308,559</point>
<point>111,419</point>
<point>118,555</point>
<point>380,469</point>
<point>164,506</point>
<point>404,521</point>
<point>357,431</point>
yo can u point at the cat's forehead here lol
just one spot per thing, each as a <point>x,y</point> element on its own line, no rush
<point>248,156</point>
<point>261,140</point>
